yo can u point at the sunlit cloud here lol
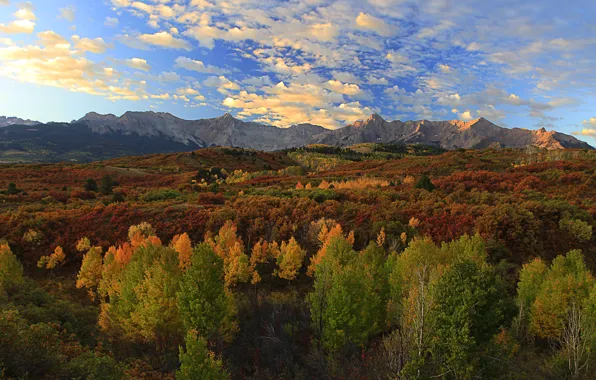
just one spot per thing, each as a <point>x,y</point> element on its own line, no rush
<point>326,62</point>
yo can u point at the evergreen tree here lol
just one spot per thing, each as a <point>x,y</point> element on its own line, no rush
<point>425,183</point>
<point>91,185</point>
<point>106,185</point>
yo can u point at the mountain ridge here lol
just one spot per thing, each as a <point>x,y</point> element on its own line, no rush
<point>96,136</point>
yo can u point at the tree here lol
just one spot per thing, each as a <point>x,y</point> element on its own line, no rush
<point>12,189</point>
<point>84,244</point>
<point>562,306</point>
<point>142,302</point>
<point>202,299</point>
<point>118,197</point>
<point>470,306</point>
<point>91,185</point>
<point>230,248</point>
<point>182,245</point>
<point>52,261</point>
<point>11,271</point>
<point>345,308</point>
<point>425,183</point>
<point>197,362</point>
<point>106,185</point>
<point>90,274</point>
<point>290,260</point>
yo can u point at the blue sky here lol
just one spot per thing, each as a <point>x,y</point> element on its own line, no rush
<point>528,64</point>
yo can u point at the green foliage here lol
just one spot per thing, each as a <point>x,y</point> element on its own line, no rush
<point>202,298</point>
<point>577,228</point>
<point>27,350</point>
<point>12,189</point>
<point>346,305</point>
<point>92,366</point>
<point>425,183</point>
<point>470,306</point>
<point>160,195</point>
<point>106,185</point>
<point>149,287</point>
<point>91,185</point>
<point>197,362</point>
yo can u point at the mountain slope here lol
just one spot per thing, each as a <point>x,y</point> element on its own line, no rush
<point>7,121</point>
<point>98,136</point>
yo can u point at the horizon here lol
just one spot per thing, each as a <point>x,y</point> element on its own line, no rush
<point>327,63</point>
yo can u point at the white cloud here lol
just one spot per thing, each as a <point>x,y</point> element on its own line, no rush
<point>111,22</point>
<point>590,132</point>
<point>222,84</point>
<point>343,88</point>
<point>164,39</point>
<point>25,14</point>
<point>95,45</point>
<point>466,116</point>
<point>381,81</point>
<point>198,66</point>
<point>18,26</point>
<point>591,122</point>
<point>368,22</point>
<point>68,13</point>
<point>138,64</point>
<point>4,2</point>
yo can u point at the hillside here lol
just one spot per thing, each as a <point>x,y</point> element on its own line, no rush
<point>117,253</point>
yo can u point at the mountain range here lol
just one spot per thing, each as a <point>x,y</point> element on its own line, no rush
<point>96,136</point>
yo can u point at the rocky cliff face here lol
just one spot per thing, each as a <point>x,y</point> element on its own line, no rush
<point>7,121</point>
<point>228,131</point>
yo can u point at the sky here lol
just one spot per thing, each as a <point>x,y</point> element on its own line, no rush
<point>529,64</point>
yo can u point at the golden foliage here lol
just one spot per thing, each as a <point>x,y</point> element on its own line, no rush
<point>290,260</point>
<point>84,244</point>
<point>182,244</point>
<point>52,261</point>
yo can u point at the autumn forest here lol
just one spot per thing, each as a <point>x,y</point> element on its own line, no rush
<point>377,261</point>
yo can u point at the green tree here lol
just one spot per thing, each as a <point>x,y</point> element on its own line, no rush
<point>106,185</point>
<point>562,307</point>
<point>91,185</point>
<point>470,306</point>
<point>11,271</point>
<point>12,189</point>
<point>425,183</point>
<point>202,298</point>
<point>197,362</point>
<point>142,305</point>
<point>346,306</point>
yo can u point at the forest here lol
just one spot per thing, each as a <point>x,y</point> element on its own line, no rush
<point>374,262</point>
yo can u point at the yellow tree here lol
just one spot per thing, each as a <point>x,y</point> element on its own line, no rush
<point>90,274</point>
<point>11,271</point>
<point>290,260</point>
<point>181,244</point>
<point>84,244</point>
<point>53,260</point>
<point>230,248</point>
<point>325,236</point>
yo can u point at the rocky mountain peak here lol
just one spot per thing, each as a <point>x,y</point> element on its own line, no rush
<point>7,121</point>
